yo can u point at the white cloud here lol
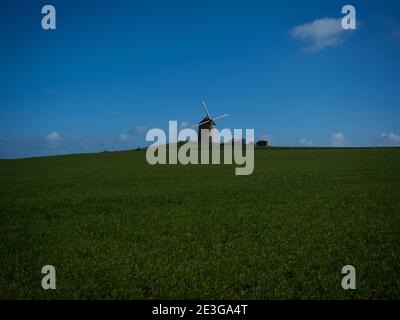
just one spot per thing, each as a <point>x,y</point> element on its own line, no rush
<point>336,139</point>
<point>320,34</point>
<point>53,137</point>
<point>124,137</point>
<point>141,129</point>
<point>305,142</point>
<point>389,139</point>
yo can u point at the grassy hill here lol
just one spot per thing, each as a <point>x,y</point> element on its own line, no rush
<point>116,227</point>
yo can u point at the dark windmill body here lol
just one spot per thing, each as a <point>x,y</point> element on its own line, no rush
<point>208,123</point>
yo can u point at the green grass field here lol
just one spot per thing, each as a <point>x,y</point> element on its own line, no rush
<point>116,227</point>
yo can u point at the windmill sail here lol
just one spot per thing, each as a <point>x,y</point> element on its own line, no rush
<point>208,118</point>
<point>205,108</point>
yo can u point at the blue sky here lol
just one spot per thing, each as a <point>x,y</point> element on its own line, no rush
<point>114,69</point>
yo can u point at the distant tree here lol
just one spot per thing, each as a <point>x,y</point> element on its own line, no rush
<point>262,143</point>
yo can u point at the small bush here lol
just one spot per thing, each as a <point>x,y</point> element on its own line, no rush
<point>262,143</point>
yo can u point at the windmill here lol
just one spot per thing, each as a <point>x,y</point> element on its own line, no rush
<point>208,123</point>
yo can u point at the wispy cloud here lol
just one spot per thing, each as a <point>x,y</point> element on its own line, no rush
<point>53,137</point>
<point>320,34</point>
<point>389,139</point>
<point>129,135</point>
<point>141,129</point>
<point>336,139</point>
<point>124,137</point>
<point>55,144</point>
<point>305,142</point>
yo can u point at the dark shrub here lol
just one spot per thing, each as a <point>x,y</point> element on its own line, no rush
<point>262,143</point>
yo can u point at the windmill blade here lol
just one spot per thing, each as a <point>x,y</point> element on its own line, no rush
<point>224,115</point>
<point>205,108</point>
<point>201,123</point>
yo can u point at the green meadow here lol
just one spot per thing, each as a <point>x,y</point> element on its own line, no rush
<point>115,227</point>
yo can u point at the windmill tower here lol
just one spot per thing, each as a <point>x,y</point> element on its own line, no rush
<point>208,123</point>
